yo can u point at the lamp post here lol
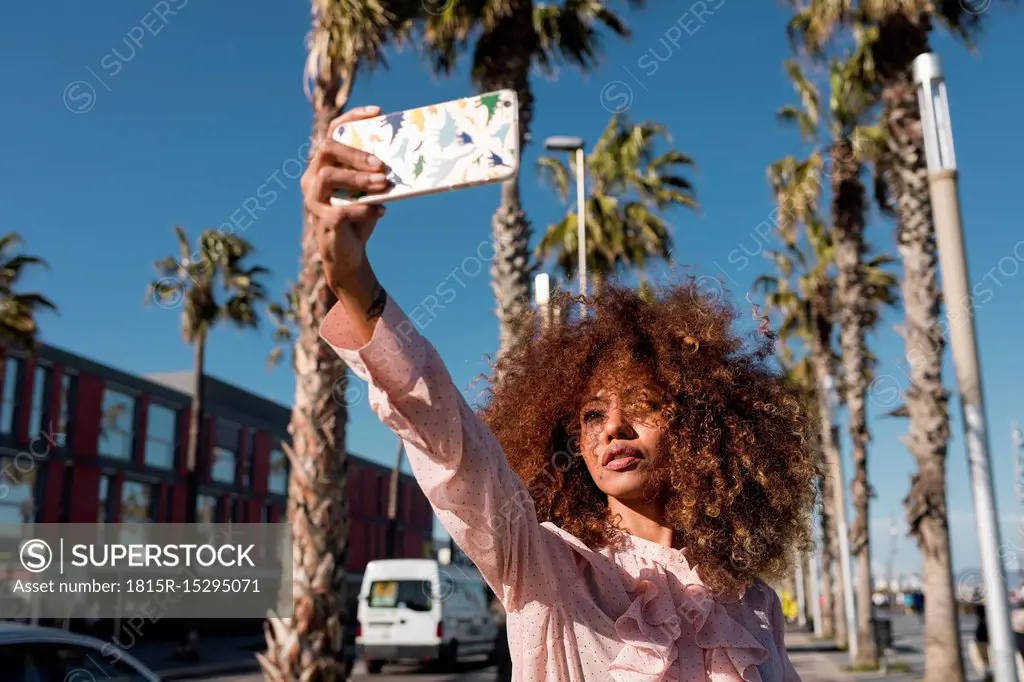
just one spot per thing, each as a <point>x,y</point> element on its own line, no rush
<point>815,559</point>
<point>942,181</point>
<point>801,598</point>
<point>1018,486</point>
<point>542,297</point>
<point>561,143</point>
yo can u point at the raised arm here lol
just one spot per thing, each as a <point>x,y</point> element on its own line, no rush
<point>454,456</point>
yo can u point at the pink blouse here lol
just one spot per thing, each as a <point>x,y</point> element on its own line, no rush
<point>574,613</point>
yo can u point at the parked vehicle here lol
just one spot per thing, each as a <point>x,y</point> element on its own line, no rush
<point>424,611</point>
<point>30,653</point>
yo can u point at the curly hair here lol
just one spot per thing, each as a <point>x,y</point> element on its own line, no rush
<point>739,477</point>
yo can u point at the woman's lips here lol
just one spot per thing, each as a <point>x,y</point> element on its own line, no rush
<point>621,457</point>
<point>622,463</point>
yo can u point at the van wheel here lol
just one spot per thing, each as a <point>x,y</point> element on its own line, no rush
<point>374,667</point>
<point>450,656</point>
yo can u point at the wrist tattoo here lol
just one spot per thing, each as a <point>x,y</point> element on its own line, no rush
<point>380,299</point>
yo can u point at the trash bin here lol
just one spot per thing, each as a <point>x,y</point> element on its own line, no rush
<point>882,627</point>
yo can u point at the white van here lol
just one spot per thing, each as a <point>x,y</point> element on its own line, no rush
<point>422,610</point>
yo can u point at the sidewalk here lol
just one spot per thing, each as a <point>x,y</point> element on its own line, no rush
<point>220,656</point>
<point>811,660</point>
<point>820,661</point>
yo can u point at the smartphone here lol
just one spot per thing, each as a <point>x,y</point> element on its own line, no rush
<point>462,143</point>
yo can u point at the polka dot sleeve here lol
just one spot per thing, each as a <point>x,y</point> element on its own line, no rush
<point>454,456</point>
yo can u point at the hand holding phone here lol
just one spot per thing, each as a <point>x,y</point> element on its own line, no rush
<point>437,148</point>
<point>342,231</point>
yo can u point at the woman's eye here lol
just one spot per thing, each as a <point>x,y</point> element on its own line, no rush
<point>592,416</point>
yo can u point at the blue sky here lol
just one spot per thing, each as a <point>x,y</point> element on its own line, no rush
<point>119,124</point>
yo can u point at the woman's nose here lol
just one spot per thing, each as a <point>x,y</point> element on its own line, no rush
<point>617,427</point>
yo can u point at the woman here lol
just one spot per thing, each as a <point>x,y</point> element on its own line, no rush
<point>634,475</point>
<point>979,646</point>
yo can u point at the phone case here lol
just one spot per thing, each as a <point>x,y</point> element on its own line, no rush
<point>461,143</point>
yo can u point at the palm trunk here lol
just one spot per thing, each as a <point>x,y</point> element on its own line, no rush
<point>510,51</point>
<point>308,646</point>
<point>391,534</point>
<point>822,359</point>
<point>926,398</point>
<point>825,497</point>
<point>828,602</point>
<point>195,430</point>
<point>598,281</point>
<point>848,207</point>
<point>188,647</point>
<point>806,559</point>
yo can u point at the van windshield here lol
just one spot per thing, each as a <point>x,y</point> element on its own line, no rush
<point>415,595</point>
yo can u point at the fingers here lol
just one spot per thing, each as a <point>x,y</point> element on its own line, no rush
<point>338,154</point>
<point>357,114</point>
<point>329,179</point>
<point>330,217</point>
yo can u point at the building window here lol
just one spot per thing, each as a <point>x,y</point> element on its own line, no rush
<point>103,513</point>
<point>161,428</point>
<point>65,495</point>
<point>117,425</point>
<point>206,509</point>
<point>12,382</point>
<point>250,459</point>
<point>68,386</point>
<point>40,413</point>
<point>277,480</point>
<point>225,452</point>
<point>18,478</point>
<point>137,502</point>
<point>237,511</point>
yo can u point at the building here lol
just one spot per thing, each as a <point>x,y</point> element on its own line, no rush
<point>83,442</point>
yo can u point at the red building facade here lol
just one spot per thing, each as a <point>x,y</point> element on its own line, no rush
<point>82,442</point>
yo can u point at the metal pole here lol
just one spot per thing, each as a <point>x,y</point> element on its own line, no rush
<point>962,341</point>
<point>893,547</point>
<point>801,598</point>
<point>1018,486</point>
<point>581,222</point>
<point>839,484</point>
<point>815,592</point>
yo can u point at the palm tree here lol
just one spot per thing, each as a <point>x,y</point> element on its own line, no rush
<point>899,33</point>
<point>192,280</point>
<point>391,534</point>
<point>804,293</point>
<point>630,184</point>
<point>285,317</point>
<point>346,36</point>
<point>849,145</point>
<point>514,37</point>
<point>18,310</point>
<point>799,372</point>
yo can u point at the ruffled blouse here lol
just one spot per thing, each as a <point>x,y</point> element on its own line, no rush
<point>637,613</point>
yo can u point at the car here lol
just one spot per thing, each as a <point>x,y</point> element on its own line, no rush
<point>30,653</point>
<point>424,611</point>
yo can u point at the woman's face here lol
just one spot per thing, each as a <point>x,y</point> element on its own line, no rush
<point>622,441</point>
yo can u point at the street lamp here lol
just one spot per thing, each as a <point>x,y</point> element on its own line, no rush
<point>1018,486</point>
<point>942,181</point>
<point>561,143</point>
<point>815,560</point>
<point>542,296</point>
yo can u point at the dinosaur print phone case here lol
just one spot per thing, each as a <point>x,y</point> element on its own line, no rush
<point>462,143</point>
